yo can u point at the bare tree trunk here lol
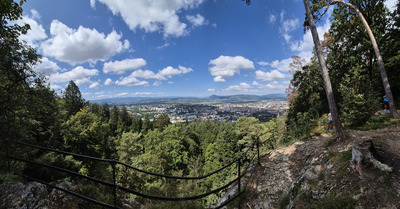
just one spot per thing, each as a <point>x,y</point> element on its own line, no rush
<point>340,131</point>
<point>385,80</point>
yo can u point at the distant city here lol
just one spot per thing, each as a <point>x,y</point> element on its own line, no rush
<point>214,108</point>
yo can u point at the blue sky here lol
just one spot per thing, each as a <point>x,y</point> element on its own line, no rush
<point>158,48</point>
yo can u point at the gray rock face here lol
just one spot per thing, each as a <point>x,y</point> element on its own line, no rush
<point>23,196</point>
<point>34,195</point>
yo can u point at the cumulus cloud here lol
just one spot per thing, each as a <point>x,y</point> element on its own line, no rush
<point>76,46</point>
<point>240,87</point>
<point>163,74</point>
<point>269,76</point>
<point>131,81</point>
<point>36,33</point>
<point>196,20</point>
<point>210,90</point>
<point>46,67</point>
<point>79,74</point>
<point>94,85</point>
<point>170,71</point>
<point>108,82</point>
<point>147,74</point>
<point>153,15</point>
<point>226,67</point>
<point>119,67</point>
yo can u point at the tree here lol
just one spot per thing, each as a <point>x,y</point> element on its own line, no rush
<point>16,73</point>
<point>114,117</point>
<point>378,55</point>
<point>391,52</point>
<point>161,122</point>
<point>324,71</point>
<point>73,99</point>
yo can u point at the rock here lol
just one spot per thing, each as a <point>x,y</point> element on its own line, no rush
<point>357,197</point>
<point>22,196</point>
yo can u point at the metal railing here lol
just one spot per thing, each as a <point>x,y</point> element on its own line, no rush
<point>115,186</point>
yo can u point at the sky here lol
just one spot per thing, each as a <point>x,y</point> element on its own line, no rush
<point>169,48</point>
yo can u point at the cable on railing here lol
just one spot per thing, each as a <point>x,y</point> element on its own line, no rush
<point>72,193</point>
<point>137,169</point>
<point>64,170</point>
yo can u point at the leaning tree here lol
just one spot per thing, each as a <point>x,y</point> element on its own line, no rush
<point>320,4</point>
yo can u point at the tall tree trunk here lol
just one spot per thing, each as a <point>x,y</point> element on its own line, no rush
<point>381,65</point>
<point>340,131</point>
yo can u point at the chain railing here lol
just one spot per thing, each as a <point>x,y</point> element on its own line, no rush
<point>114,184</point>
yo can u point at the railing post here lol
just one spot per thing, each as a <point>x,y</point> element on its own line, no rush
<point>115,185</point>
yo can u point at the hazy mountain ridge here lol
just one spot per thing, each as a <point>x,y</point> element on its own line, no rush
<point>241,98</point>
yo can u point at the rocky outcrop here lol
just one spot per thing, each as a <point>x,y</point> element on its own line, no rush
<point>22,195</point>
<point>34,195</point>
<point>279,170</point>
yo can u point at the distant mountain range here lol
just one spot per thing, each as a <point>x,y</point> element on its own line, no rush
<point>241,98</point>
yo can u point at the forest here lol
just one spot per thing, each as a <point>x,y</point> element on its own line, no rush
<point>33,113</point>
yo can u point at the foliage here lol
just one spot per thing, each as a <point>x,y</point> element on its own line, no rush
<point>356,107</point>
<point>73,99</point>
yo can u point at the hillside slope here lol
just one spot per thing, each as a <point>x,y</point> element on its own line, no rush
<point>316,173</point>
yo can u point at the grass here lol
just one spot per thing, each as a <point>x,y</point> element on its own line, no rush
<point>284,201</point>
<point>328,142</point>
<point>9,177</point>
<point>377,122</point>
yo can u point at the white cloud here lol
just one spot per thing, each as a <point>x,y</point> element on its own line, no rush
<point>79,74</point>
<point>262,63</point>
<point>93,3</point>
<point>170,71</point>
<point>147,74</point>
<point>242,87</point>
<point>196,20</point>
<point>210,90</point>
<point>36,33</point>
<point>305,47</point>
<point>99,93</point>
<point>255,83</point>
<point>288,26</point>
<point>55,87</point>
<point>122,94</point>
<point>269,76</point>
<point>153,15</point>
<point>81,45</point>
<point>226,67</point>
<point>119,67</point>
<point>219,79</point>
<point>108,82</point>
<point>131,81</point>
<point>157,83</point>
<point>272,18</point>
<point>46,67</point>
<point>391,4</point>
<point>94,85</point>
